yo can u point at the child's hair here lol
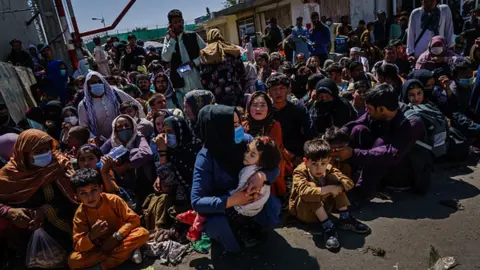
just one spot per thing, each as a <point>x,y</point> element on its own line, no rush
<point>90,148</point>
<point>334,135</point>
<point>316,149</point>
<point>270,156</point>
<point>80,133</point>
<point>85,177</point>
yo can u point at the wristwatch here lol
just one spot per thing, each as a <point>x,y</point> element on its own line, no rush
<point>118,236</point>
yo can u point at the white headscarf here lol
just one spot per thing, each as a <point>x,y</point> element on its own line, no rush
<point>87,100</point>
<point>116,141</point>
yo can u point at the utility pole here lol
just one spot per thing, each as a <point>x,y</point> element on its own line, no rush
<point>53,31</point>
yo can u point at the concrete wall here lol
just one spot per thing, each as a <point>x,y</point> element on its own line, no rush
<point>364,10</point>
<point>12,25</point>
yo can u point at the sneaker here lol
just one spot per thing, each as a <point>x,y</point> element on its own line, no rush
<point>330,238</point>
<point>352,224</point>
<point>137,256</point>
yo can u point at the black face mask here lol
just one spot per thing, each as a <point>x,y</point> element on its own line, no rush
<point>4,119</point>
<point>324,106</point>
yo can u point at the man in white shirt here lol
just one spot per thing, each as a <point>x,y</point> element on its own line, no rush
<point>182,50</point>
<point>432,20</point>
<point>101,57</point>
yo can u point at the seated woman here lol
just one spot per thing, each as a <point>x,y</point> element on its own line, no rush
<point>177,152</point>
<point>35,184</point>
<point>260,122</point>
<point>135,169</point>
<point>195,100</point>
<point>216,173</point>
<point>437,56</point>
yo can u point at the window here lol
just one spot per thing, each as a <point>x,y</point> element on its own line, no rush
<point>246,27</point>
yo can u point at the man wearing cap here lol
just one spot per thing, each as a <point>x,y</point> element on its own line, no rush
<point>382,29</point>
<point>355,54</point>
<point>329,109</point>
<point>19,57</point>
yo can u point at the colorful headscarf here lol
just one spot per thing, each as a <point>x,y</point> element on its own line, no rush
<point>19,182</point>
<point>87,100</point>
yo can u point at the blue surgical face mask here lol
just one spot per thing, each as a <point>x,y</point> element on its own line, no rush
<point>171,140</point>
<point>43,160</point>
<point>98,89</point>
<point>63,72</point>
<point>467,82</point>
<point>125,135</point>
<point>239,134</point>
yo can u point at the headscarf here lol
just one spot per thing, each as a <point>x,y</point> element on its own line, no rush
<point>422,75</point>
<point>69,108</point>
<point>59,82</point>
<point>53,112</point>
<point>407,86</point>
<point>7,141</point>
<point>180,127</point>
<point>82,70</point>
<point>216,125</point>
<point>169,91</point>
<point>217,48</point>
<point>114,138</point>
<point>426,57</point>
<point>263,127</point>
<point>197,99</point>
<point>19,182</point>
<point>87,100</point>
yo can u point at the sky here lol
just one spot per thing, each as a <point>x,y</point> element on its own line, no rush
<point>144,13</point>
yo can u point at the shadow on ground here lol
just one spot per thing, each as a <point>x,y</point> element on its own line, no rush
<point>277,253</point>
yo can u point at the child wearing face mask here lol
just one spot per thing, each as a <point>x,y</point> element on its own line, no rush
<point>70,119</point>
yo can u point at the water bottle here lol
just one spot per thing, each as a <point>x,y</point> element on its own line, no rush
<point>115,153</point>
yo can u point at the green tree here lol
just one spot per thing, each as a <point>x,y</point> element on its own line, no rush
<point>229,3</point>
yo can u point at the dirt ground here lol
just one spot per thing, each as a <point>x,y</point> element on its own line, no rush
<point>405,228</point>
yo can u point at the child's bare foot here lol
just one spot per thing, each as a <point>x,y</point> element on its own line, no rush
<point>136,256</point>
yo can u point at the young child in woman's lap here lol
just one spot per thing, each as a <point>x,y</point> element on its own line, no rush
<point>317,188</point>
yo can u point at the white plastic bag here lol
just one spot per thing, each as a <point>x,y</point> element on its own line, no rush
<point>44,252</point>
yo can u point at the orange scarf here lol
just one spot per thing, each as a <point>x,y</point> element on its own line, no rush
<point>18,182</point>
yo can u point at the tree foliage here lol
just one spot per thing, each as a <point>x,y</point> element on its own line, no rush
<point>229,3</point>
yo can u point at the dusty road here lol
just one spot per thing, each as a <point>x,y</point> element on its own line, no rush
<point>404,228</point>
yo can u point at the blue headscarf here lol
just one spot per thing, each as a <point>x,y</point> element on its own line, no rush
<point>59,81</point>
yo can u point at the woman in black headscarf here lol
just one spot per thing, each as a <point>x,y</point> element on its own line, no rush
<point>216,173</point>
<point>53,118</point>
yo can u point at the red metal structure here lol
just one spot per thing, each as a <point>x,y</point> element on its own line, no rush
<point>79,35</point>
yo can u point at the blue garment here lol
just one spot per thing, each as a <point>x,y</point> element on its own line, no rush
<point>59,81</point>
<point>210,191</point>
<point>320,35</point>
<point>301,46</point>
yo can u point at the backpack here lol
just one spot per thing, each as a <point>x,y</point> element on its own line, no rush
<point>435,127</point>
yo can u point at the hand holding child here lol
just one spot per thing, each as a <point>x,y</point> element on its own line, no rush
<point>240,197</point>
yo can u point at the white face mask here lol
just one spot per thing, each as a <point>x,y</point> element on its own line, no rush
<point>71,119</point>
<point>436,50</point>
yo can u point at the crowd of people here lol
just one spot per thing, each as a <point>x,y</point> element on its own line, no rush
<point>210,139</point>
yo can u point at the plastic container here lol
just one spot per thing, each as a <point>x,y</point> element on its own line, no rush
<point>115,153</point>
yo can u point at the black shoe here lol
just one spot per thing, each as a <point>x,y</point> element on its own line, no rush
<point>330,238</point>
<point>352,224</point>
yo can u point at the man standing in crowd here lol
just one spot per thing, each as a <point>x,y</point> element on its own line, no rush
<point>360,28</point>
<point>300,37</point>
<point>19,57</point>
<point>136,50</point>
<point>182,50</point>
<point>379,144</point>
<point>390,57</point>
<point>101,57</point>
<point>320,36</point>
<point>382,29</point>
<point>425,22</point>
<point>273,35</point>
<point>471,30</point>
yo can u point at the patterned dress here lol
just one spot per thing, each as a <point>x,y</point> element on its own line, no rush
<point>226,80</point>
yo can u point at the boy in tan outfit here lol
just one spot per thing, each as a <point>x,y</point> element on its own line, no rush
<point>317,188</point>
